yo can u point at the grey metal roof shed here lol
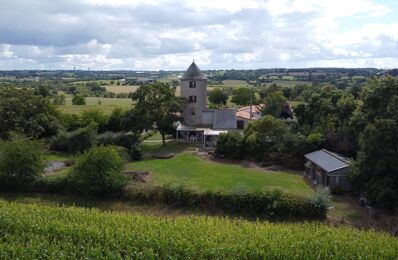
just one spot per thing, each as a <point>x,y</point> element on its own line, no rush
<point>327,160</point>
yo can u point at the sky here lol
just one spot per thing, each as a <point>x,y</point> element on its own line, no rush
<point>218,34</point>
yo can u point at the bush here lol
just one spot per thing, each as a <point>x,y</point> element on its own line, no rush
<point>230,145</point>
<point>78,100</point>
<point>52,184</point>
<point>136,152</point>
<point>127,140</point>
<point>270,204</point>
<point>76,141</point>
<point>21,162</point>
<point>98,172</point>
<point>114,123</point>
<point>94,117</point>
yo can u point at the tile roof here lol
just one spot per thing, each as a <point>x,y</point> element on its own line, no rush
<point>244,112</point>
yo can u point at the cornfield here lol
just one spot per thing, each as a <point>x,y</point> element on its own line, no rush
<point>29,231</point>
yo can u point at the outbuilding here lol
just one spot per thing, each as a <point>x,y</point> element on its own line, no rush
<point>328,169</point>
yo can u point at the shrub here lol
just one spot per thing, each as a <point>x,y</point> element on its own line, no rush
<point>270,204</point>
<point>78,100</point>
<point>127,140</point>
<point>98,172</point>
<point>114,123</point>
<point>21,162</point>
<point>230,145</point>
<point>52,184</point>
<point>136,152</point>
<point>94,117</point>
<point>75,141</point>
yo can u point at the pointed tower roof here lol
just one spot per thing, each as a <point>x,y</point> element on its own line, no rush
<point>193,72</point>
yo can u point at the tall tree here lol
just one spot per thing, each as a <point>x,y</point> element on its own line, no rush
<point>158,104</point>
<point>23,112</point>
<point>243,96</point>
<point>274,103</point>
<point>218,97</point>
<point>376,167</point>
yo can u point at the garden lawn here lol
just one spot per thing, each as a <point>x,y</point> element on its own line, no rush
<point>197,173</point>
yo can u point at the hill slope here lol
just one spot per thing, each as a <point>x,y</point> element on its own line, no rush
<point>32,231</point>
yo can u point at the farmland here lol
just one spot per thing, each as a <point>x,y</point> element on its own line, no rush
<point>105,104</point>
<point>96,234</point>
<point>121,89</point>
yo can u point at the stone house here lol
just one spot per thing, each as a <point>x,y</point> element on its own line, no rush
<point>200,124</point>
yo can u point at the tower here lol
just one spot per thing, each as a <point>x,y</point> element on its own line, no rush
<point>194,89</point>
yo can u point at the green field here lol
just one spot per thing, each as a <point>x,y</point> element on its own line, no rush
<point>121,89</point>
<point>107,104</point>
<point>194,172</point>
<point>290,83</point>
<point>30,231</point>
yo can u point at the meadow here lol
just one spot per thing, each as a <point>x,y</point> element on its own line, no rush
<point>30,231</point>
<point>121,89</point>
<point>105,104</point>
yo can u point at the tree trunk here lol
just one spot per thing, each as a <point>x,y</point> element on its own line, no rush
<point>163,138</point>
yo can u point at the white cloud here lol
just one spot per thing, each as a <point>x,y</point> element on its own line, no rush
<point>168,34</point>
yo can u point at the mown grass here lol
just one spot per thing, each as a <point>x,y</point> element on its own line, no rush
<point>34,231</point>
<point>107,104</point>
<point>194,172</point>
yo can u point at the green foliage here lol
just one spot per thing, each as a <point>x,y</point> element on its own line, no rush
<point>21,162</point>
<point>265,137</point>
<point>274,103</point>
<point>59,100</point>
<point>297,145</point>
<point>114,122</point>
<point>35,231</point>
<point>157,104</point>
<point>78,100</point>
<point>98,172</point>
<point>270,204</point>
<point>94,116</point>
<point>136,152</point>
<point>75,141</point>
<point>126,140</point>
<point>217,96</point>
<point>24,113</point>
<point>230,145</point>
<point>376,168</point>
<point>243,96</point>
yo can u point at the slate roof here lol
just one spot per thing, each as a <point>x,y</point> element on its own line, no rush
<point>327,160</point>
<point>193,72</point>
<point>224,119</point>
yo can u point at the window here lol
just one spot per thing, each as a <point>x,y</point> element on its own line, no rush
<point>240,124</point>
<point>337,180</point>
<point>193,111</point>
<point>192,99</point>
<point>192,84</point>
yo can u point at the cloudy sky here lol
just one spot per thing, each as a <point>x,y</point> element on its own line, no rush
<point>157,34</point>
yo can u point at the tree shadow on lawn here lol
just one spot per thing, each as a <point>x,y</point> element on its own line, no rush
<point>170,147</point>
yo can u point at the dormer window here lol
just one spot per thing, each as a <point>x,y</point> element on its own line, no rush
<point>192,99</point>
<point>192,84</point>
